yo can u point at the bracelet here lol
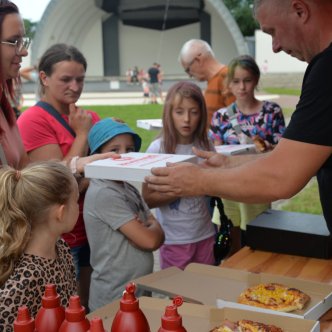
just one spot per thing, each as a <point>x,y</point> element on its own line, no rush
<point>73,164</point>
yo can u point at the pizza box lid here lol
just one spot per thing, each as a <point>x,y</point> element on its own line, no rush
<point>234,149</point>
<point>219,286</point>
<point>149,124</point>
<point>201,318</point>
<point>133,166</point>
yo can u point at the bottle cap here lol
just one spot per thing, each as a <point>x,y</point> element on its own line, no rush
<point>75,312</point>
<point>24,322</point>
<point>171,320</point>
<point>96,325</point>
<point>129,302</point>
<point>50,298</point>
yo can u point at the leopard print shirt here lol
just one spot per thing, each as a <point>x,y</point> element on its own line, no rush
<point>26,284</point>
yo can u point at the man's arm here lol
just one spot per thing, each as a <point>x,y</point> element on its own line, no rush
<point>276,175</point>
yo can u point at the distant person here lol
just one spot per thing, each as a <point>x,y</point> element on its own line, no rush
<point>189,232</point>
<point>161,78</point>
<point>246,121</point>
<point>121,229</point>
<point>265,67</point>
<point>134,75</point>
<point>128,76</point>
<point>154,77</point>
<point>38,204</point>
<point>30,73</point>
<point>146,90</point>
<point>55,128</point>
<point>198,60</point>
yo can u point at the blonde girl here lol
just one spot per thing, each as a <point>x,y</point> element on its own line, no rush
<point>189,233</point>
<point>37,204</point>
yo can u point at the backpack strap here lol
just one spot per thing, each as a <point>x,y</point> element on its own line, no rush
<point>52,111</point>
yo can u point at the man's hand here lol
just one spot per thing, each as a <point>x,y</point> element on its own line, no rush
<point>180,179</point>
<point>211,158</point>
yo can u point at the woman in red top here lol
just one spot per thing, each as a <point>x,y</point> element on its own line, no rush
<point>61,73</point>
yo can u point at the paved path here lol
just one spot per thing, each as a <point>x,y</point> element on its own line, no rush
<point>136,98</point>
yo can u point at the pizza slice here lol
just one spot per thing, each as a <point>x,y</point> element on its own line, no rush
<point>274,296</point>
<point>245,325</point>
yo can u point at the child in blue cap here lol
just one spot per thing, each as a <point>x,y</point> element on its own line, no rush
<point>121,229</point>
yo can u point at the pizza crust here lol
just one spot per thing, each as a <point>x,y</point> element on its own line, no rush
<point>274,296</point>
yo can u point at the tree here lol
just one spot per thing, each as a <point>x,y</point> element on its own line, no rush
<point>242,13</point>
<point>30,28</point>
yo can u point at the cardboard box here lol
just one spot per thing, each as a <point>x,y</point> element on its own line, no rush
<point>236,149</point>
<point>150,124</point>
<point>202,318</point>
<point>134,166</point>
<point>213,285</point>
<point>290,233</point>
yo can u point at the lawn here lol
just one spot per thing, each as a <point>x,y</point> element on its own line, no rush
<point>283,91</point>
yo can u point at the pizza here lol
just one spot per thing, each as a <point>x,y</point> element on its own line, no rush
<point>274,296</point>
<point>246,326</point>
<point>259,143</point>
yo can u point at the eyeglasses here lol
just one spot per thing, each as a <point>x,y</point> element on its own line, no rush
<point>19,44</point>
<point>187,69</point>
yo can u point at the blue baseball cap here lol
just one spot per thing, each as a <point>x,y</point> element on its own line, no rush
<point>106,129</point>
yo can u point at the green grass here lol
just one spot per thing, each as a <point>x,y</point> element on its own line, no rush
<point>283,91</point>
<point>306,201</point>
<point>287,112</point>
<point>129,114</point>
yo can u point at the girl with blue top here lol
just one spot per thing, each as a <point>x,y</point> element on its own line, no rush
<point>189,232</point>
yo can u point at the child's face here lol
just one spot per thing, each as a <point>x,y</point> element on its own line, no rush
<point>122,143</point>
<point>243,84</point>
<point>186,116</point>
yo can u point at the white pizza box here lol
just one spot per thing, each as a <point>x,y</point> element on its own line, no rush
<point>202,318</point>
<point>219,286</point>
<point>133,166</point>
<point>235,149</point>
<point>149,124</point>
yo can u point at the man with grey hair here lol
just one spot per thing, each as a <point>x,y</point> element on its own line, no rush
<point>198,60</point>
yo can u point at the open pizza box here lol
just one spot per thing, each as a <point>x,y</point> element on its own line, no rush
<point>202,318</point>
<point>133,166</point>
<point>218,286</point>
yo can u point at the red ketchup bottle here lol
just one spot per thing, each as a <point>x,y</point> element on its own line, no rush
<point>51,315</point>
<point>24,322</point>
<point>171,321</point>
<point>96,325</point>
<point>130,317</point>
<point>75,320</point>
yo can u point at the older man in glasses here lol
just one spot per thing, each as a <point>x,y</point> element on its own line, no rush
<point>198,60</point>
